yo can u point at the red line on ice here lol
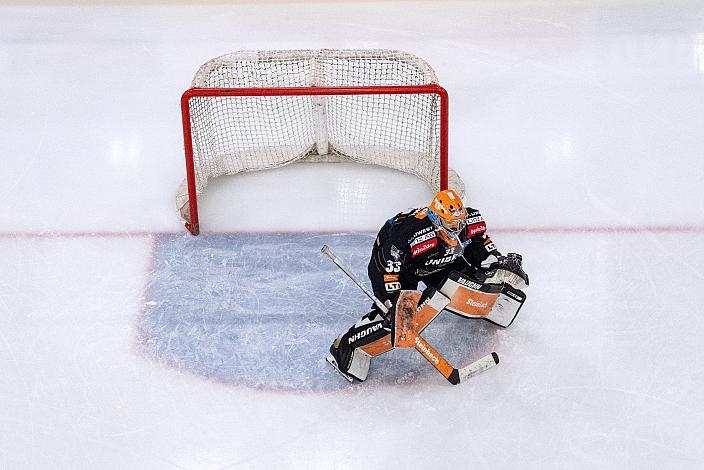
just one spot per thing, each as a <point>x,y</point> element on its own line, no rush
<point>545,229</point>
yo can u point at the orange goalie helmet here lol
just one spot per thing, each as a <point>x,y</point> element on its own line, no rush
<point>448,215</point>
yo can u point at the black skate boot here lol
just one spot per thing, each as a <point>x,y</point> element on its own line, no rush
<point>335,358</point>
<point>351,363</point>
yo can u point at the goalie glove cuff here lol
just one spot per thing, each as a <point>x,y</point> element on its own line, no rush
<point>489,261</point>
<point>508,269</point>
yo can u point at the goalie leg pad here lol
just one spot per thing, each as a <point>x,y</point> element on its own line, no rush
<point>404,318</point>
<point>506,307</point>
<point>413,312</point>
<point>469,298</point>
<point>351,353</point>
<point>372,333</point>
<point>359,366</point>
<point>378,346</point>
<point>431,304</point>
<point>368,329</point>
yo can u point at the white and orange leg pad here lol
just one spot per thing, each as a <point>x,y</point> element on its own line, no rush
<point>359,365</point>
<point>410,318</point>
<point>496,303</point>
<point>507,306</point>
<point>380,346</point>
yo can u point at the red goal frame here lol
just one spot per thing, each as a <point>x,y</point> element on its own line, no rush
<point>194,226</point>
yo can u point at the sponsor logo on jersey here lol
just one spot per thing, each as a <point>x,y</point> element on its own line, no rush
<point>422,231</point>
<point>392,286</point>
<point>468,283</point>
<point>422,238</point>
<point>490,246</point>
<point>423,247</point>
<point>395,253</point>
<point>426,350</point>
<point>439,261</point>
<point>474,303</point>
<point>475,224</point>
<point>361,334</point>
<point>476,229</point>
<point>390,277</point>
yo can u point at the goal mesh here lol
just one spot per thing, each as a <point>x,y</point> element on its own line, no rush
<point>265,128</point>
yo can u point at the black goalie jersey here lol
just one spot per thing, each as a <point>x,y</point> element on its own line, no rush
<point>408,250</point>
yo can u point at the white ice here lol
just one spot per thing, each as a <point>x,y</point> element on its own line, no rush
<point>578,128</point>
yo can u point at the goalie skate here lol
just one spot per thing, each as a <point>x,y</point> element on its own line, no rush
<point>331,360</point>
<point>356,367</point>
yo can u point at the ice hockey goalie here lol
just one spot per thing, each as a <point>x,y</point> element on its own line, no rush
<point>444,245</point>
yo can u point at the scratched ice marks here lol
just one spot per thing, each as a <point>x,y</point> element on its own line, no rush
<point>261,310</point>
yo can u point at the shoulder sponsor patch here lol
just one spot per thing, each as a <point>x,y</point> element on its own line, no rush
<point>424,246</point>
<point>421,238</point>
<point>395,252</point>
<point>476,229</point>
<point>475,223</point>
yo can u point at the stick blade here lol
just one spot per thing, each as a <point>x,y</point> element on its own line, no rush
<point>486,362</point>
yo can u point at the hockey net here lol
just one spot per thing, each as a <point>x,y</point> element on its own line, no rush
<point>257,110</point>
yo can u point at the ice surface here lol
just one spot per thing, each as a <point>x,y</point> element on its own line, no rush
<point>262,310</point>
<point>577,127</point>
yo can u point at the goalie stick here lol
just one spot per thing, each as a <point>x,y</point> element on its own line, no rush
<point>453,375</point>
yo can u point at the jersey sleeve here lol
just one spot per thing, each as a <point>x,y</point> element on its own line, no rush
<point>389,267</point>
<point>390,258</point>
<point>481,246</point>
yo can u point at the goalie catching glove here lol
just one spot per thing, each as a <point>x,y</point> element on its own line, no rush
<point>505,269</point>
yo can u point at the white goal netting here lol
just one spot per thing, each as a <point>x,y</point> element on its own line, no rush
<point>264,127</point>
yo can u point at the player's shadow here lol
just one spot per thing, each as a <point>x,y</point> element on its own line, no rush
<point>260,310</point>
